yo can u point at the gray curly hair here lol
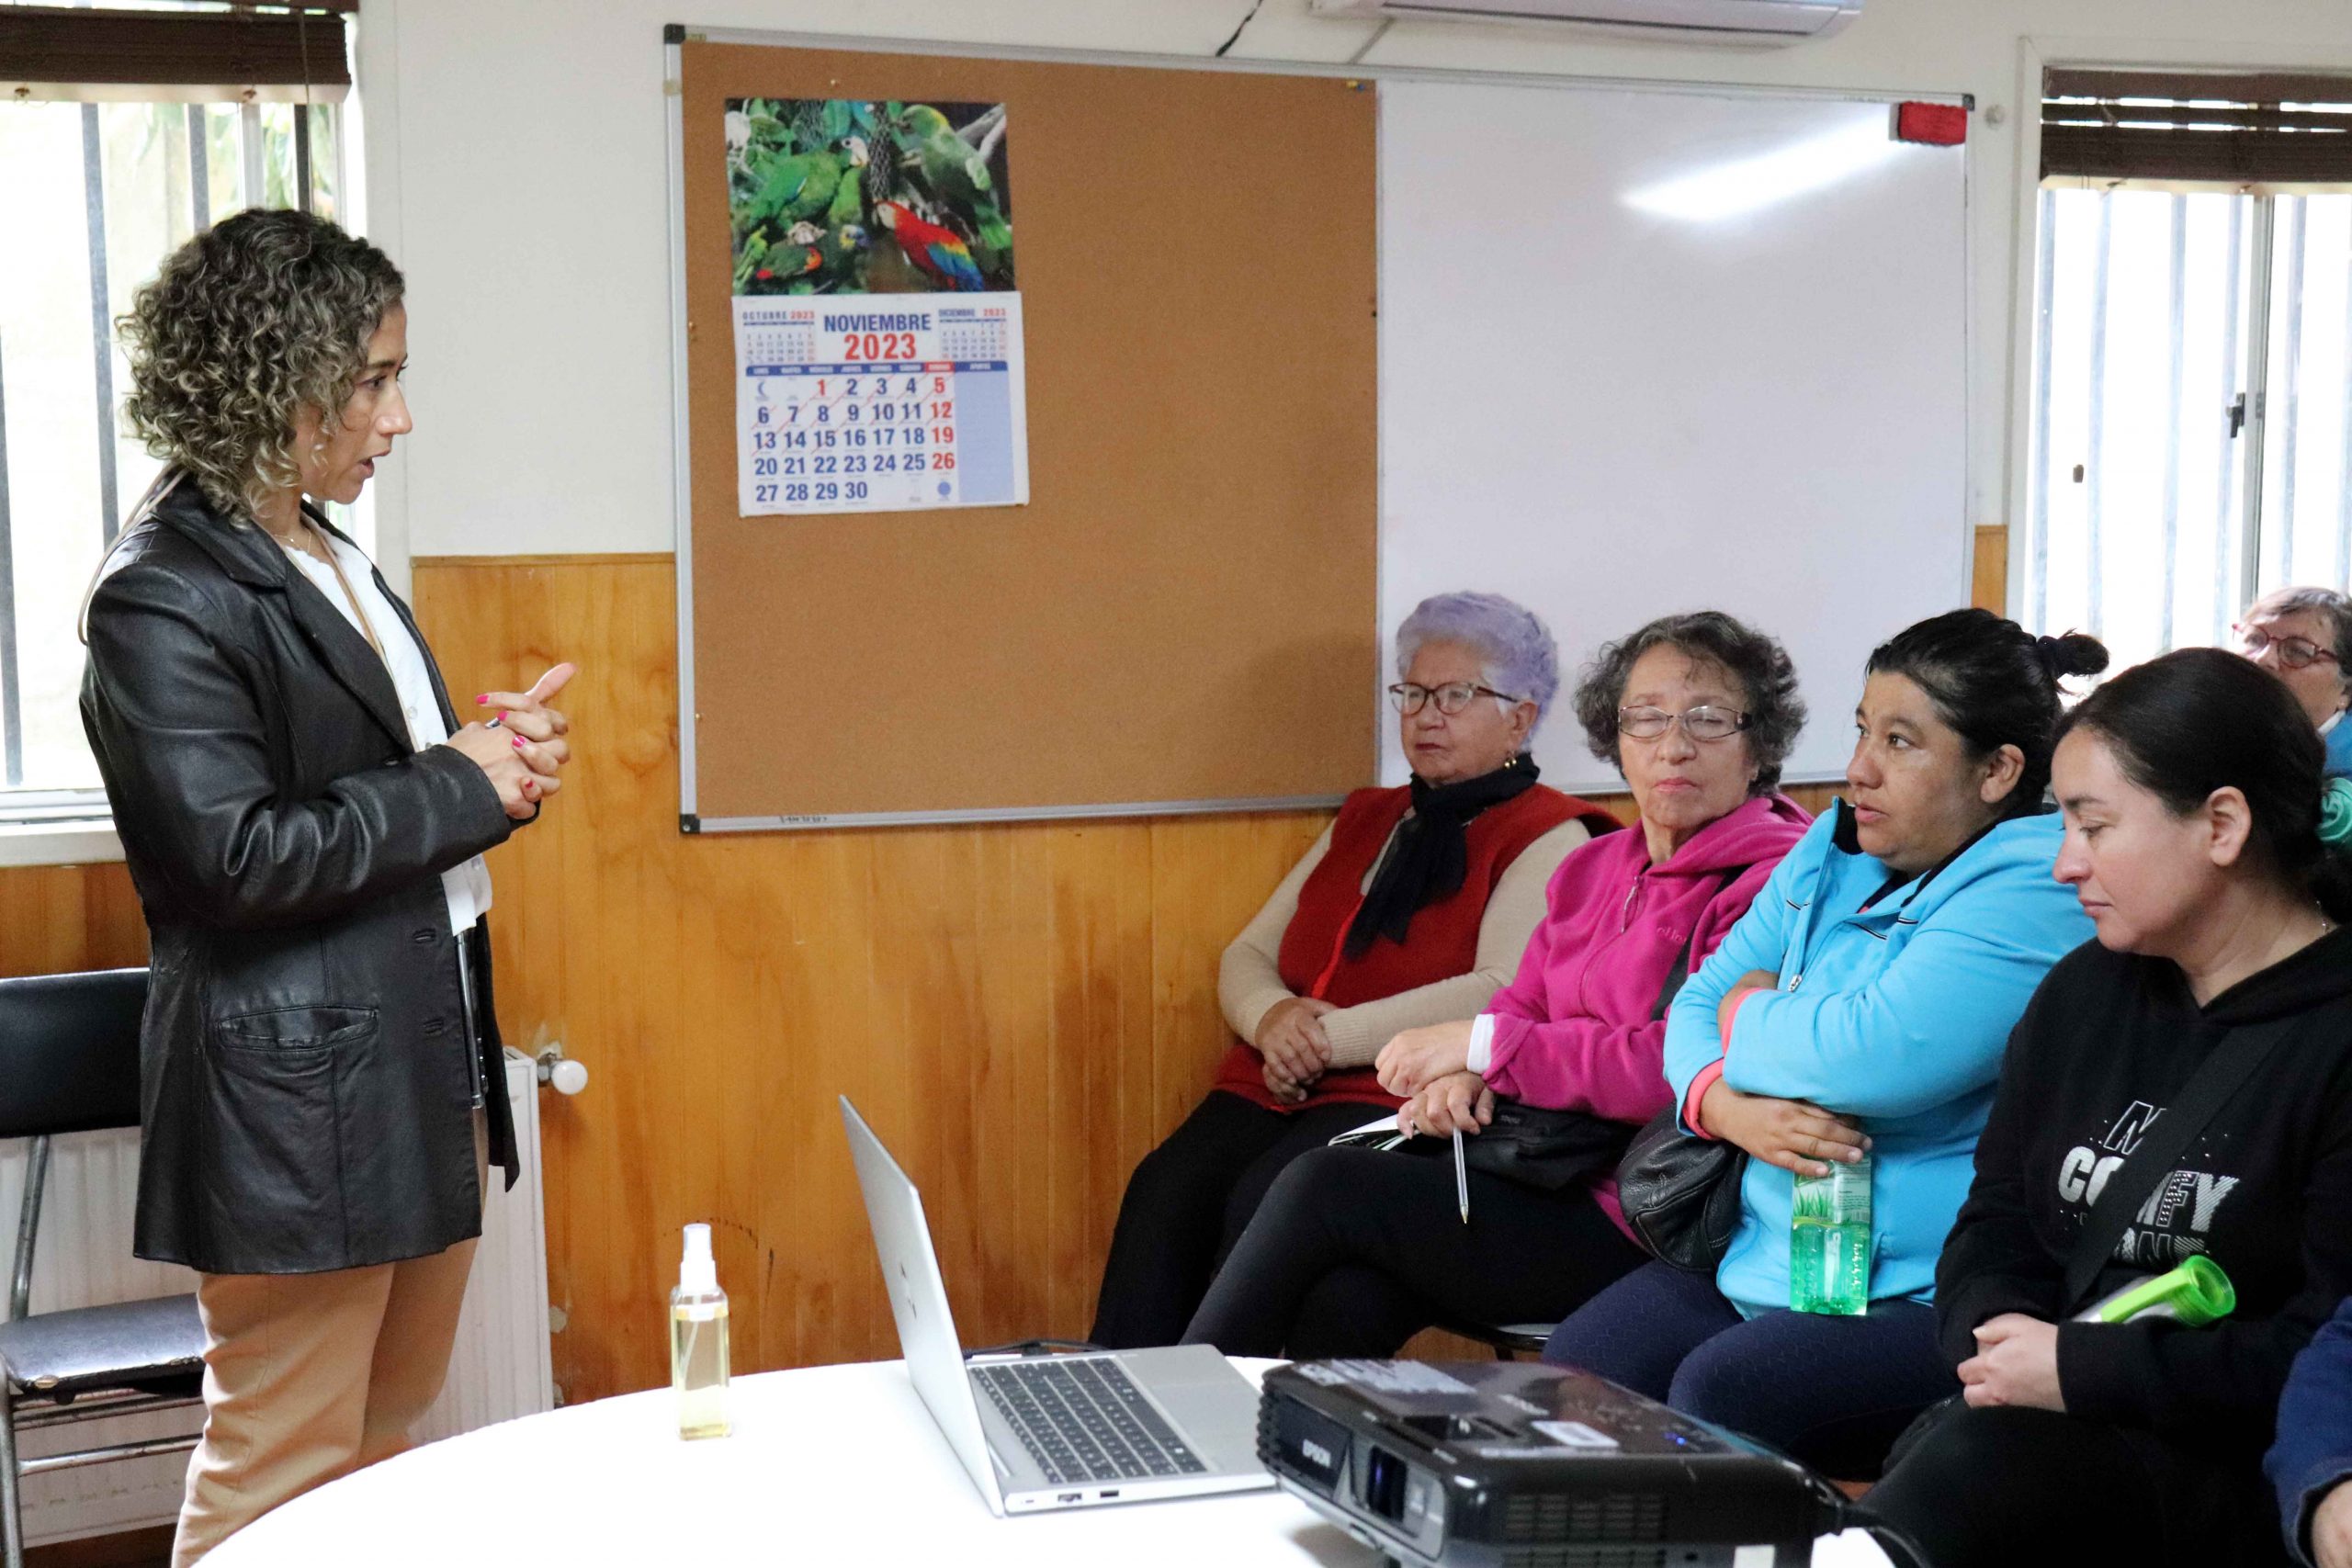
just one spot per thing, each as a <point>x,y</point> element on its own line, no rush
<point>1754,661</point>
<point>261,316</point>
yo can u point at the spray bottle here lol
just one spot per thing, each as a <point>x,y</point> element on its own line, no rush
<point>699,1341</point>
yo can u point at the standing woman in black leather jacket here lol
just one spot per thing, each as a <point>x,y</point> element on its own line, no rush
<point>304,820</point>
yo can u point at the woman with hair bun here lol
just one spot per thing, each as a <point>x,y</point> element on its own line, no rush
<point>1861,1005</point>
<point>2200,840</point>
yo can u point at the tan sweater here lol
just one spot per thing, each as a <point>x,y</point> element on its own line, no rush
<point>1250,982</point>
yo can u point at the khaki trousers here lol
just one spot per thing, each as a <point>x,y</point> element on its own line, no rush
<point>308,1377</point>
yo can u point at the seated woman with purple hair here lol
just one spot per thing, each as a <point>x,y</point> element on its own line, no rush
<point>1410,910</point>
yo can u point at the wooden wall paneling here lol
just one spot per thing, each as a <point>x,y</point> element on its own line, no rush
<point>1209,876</point>
<point>589,926</point>
<point>1013,1122</point>
<point>55,919</point>
<point>834,1034</point>
<point>1023,1009</point>
<point>1101,1034</point>
<point>1816,798</point>
<point>1990,574</point>
<point>923,1030</point>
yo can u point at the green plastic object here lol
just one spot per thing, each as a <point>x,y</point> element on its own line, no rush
<point>2197,1293</point>
<point>1830,1241</point>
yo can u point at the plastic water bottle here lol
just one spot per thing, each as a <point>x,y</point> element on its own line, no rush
<point>1830,1241</point>
<point>699,1341</point>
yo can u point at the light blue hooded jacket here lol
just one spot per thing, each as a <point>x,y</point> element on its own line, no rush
<point>2339,742</point>
<point>1896,1015</point>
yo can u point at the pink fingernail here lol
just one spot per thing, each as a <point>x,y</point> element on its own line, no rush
<point>502,716</point>
<point>483,700</point>
<point>518,743</point>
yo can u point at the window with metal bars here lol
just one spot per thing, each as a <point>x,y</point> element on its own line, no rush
<point>100,178</point>
<point>2192,377</point>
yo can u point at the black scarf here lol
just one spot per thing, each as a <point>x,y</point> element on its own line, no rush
<point>1430,856</point>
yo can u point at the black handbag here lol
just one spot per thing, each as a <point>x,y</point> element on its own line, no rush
<point>1544,1149</point>
<point>1680,1194</point>
<point>1547,1149</point>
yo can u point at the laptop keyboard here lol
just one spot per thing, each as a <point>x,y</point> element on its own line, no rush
<point>1084,1419</point>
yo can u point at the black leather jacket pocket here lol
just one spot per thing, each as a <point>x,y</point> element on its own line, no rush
<point>294,1029</point>
<point>269,1122</point>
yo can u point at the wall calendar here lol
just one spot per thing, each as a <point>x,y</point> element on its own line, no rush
<point>879,404</point>
<point>877,330</point>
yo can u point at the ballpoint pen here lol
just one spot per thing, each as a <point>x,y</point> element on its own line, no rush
<point>1460,1177</point>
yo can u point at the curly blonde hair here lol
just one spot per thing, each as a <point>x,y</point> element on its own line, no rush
<point>261,316</point>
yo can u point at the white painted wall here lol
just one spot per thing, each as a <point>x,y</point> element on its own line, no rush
<point>515,156</point>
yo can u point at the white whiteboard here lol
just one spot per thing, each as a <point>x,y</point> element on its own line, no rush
<point>1645,351</point>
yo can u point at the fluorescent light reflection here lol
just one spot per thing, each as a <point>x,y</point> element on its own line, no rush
<point>1748,185</point>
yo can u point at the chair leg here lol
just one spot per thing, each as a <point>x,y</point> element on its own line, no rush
<point>12,1518</point>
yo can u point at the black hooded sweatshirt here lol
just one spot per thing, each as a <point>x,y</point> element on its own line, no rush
<point>2108,1042</point>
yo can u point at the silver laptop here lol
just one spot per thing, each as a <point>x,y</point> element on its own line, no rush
<point>1047,1432</point>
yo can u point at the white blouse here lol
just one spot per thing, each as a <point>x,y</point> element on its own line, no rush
<point>466,885</point>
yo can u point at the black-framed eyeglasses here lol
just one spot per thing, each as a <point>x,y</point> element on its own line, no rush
<point>1406,696</point>
<point>2294,652</point>
<point>1702,723</point>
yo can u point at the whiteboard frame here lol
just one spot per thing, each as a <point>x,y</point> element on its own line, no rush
<point>675,35</point>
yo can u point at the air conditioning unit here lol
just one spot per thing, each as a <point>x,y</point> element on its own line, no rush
<point>1744,22</point>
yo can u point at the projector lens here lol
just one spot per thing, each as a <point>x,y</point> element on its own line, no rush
<point>1384,1484</point>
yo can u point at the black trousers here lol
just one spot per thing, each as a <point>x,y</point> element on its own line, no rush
<point>1355,1251</point>
<point>2002,1486</point>
<point>1186,1205</point>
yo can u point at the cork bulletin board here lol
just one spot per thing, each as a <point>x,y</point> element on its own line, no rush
<point>1182,616</point>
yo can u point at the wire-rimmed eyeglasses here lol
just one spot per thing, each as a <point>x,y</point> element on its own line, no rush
<point>1702,723</point>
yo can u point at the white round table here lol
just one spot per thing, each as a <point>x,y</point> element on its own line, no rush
<point>826,1465</point>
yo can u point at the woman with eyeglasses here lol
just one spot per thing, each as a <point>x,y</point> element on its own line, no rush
<point>1356,1249</point>
<point>1861,1006</point>
<point>2303,636</point>
<point>1410,908</point>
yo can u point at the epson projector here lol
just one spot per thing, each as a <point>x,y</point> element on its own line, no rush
<point>1508,1464</point>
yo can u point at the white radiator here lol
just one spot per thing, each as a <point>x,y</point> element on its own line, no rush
<point>499,1369</point>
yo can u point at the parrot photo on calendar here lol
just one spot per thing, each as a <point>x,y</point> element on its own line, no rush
<point>939,254</point>
<point>841,259</point>
<point>796,187</point>
<point>815,185</point>
<point>785,263</point>
<point>952,164</point>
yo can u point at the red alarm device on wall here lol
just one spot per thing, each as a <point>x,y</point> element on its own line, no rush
<point>1937,125</point>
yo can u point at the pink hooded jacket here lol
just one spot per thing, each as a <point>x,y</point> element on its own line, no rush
<point>1575,1028</point>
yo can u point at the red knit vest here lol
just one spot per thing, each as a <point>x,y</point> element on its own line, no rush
<point>1442,942</point>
